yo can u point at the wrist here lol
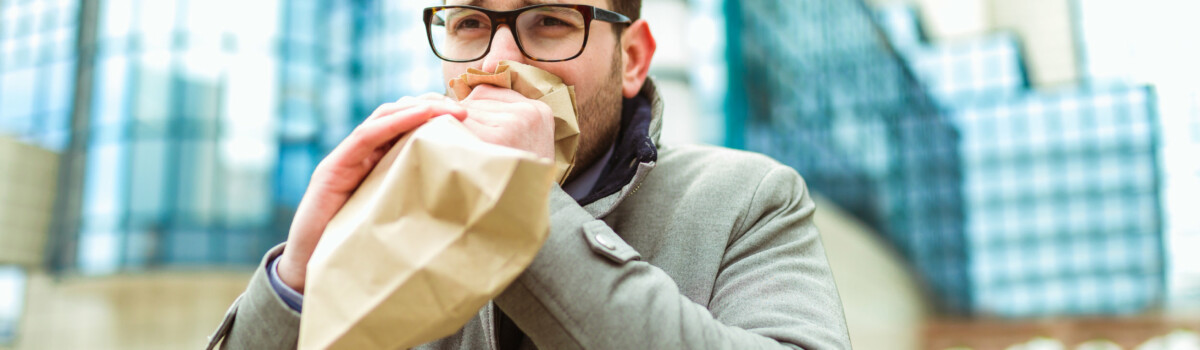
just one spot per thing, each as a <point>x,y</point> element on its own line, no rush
<point>291,273</point>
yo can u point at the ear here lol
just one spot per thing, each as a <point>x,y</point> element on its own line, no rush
<point>637,45</point>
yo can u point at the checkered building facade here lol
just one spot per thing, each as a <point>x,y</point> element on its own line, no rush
<point>1007,201</point>
<point>980,70</point>
<point>1062,198</point>
<point>1060,189</point>
<point>1117,48</point>
<point>827,95</point>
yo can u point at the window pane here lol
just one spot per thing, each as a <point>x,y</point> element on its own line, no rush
<point>156,23</point>
<point>153,86</point>
<point>248,189</point>
<point>110,92</point>
<point>58,92</point>
<point>199,182</point>
<point>16,94</point>
<point>12,301</point>
<point>116,16</point>
<point>295,169</point>
<point>190,247</point>
<point>102,197</point>
<point>99,251</point>
<point>148,182</point>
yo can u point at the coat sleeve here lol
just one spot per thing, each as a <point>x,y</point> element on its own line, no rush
<point>774,288</point>
<point>259,319</point>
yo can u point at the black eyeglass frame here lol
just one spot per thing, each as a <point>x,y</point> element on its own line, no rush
<point>510,18</point>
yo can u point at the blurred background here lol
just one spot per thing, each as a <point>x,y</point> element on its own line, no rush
<point>992,174</point>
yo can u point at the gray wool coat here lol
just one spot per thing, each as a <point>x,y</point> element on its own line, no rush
<point>696,248</point>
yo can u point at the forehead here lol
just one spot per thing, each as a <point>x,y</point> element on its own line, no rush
<point>515,4</point>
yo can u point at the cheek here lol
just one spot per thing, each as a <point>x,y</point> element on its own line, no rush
<point>451,70</point>
<point>590,72</point>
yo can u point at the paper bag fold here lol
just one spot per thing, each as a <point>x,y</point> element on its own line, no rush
<point>442,224</point>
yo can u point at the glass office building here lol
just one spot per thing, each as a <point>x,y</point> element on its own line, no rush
<point>1007,201</point>
<point>1060,187</point>
<point>1148,42</point>
<point>37,70</point>
<point>826,94</point>
<point>197,127</point>
<point>188,113</point>
<point>1062,200</point>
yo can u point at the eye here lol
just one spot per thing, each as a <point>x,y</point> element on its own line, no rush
<point>469,23</point>
<point>547,21</point>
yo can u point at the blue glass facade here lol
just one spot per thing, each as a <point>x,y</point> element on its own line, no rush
<point>1118,48</point>
<point>37,70</point>
<point>37,74</point>
<point>826,94</point>
<point>203,125</point>
<point>1060,188</point>
<point>1007,201</point>
<point>185,125</point>
<point>1062,203</point>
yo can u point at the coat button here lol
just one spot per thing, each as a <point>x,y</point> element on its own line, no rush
<point>605,243</point>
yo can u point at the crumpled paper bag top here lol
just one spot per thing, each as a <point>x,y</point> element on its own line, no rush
<point>537,84</point>
<point>438,228</point>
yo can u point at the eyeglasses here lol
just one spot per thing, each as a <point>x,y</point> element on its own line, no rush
<point>545,33</point>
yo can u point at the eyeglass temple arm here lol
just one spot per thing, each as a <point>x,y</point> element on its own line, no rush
<point>609,16</point>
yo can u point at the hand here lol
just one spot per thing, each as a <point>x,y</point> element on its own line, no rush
<point>340,173</point>
<point>505,117</point>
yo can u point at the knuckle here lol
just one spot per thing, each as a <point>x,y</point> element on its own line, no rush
<point>425,110</point>
<point>357,137</point>
<point>323,167</point>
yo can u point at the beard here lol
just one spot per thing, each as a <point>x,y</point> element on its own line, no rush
<point>600,118</point>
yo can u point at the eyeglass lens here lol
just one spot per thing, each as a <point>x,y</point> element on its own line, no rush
<point>544,33</point>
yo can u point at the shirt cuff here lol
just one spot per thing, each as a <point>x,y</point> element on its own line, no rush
<point>290,296</point>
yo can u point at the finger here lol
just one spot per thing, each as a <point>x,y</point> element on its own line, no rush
<point>373,134</point>
<point>391,126</point>
<point>476,125</point>
<point>428,96</point>
<point>490,92</point>
<point>543,109</point>
<point>487,117</point>
<point>433,96</point>
<point>389,108</point>
<point>407,102</point>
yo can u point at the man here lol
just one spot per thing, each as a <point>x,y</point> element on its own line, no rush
<point>651,246</point>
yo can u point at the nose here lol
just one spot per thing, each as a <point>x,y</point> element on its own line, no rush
<point>504,47</point>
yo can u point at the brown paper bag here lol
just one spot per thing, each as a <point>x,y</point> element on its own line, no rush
<point>540,85</point>
<point>442,224</point>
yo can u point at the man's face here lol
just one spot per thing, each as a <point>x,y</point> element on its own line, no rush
<point>596,74</point>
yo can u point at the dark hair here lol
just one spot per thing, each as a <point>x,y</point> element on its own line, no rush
<point>629,8</point>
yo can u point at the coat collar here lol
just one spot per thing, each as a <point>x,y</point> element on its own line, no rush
<point>634,154</point>
<point>650,92</point>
